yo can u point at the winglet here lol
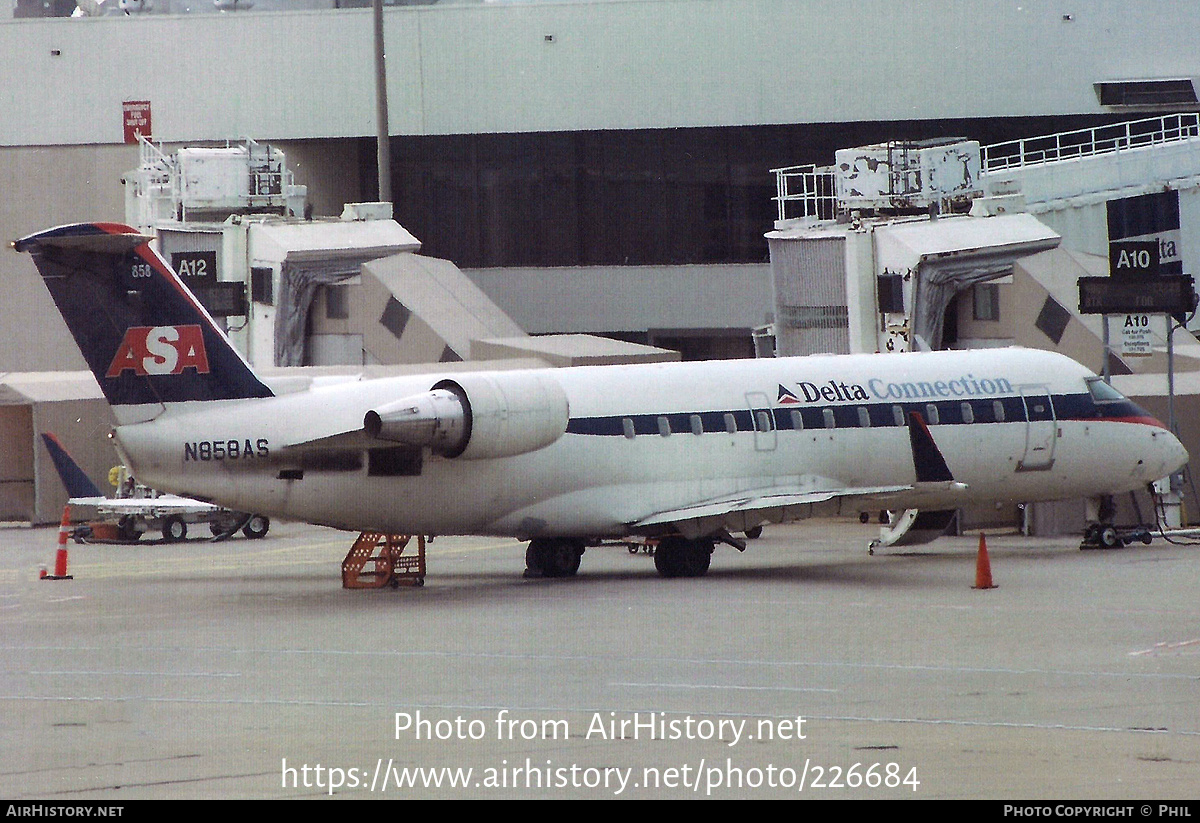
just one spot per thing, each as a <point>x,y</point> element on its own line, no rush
<point>927,457</point>
<point>76,482</point>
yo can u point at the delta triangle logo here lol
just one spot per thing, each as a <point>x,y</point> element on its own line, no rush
<point>786,398</point>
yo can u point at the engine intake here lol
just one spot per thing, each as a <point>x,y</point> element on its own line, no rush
<point>477,416</point>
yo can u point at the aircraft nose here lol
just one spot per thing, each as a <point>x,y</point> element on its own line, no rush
<point>1178,455</point>
<point>1170,451</point>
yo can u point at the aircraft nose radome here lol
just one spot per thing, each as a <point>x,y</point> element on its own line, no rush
<point>1169,450</point>
<point>1177,454</point>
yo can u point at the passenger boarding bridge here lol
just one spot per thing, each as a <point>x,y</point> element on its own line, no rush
<point>949,244</point>
<point>1138,180</point>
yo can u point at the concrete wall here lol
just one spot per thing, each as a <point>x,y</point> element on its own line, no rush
<point>524,67</point>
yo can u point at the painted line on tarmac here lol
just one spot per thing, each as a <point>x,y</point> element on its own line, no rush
<point>719,687</point>
<point>125,673</point>
<point>567,658</point>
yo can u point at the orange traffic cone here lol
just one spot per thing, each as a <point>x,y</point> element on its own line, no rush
<point>983,568</point>
<point>60,559</point>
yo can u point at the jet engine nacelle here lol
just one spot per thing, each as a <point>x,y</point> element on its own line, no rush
<point>477,416</point>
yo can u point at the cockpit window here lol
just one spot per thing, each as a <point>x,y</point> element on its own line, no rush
<point>1102,392</point>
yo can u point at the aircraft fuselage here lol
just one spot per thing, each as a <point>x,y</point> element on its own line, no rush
<point>1012,424</point>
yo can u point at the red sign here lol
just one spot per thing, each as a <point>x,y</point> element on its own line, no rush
<point>160,350</point>
<point>136,116</point>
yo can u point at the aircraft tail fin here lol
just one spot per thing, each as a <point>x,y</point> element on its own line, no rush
<point>73,478</point>
<point>144,335</point>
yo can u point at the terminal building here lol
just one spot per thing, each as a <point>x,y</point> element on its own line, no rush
<point>627,167</point>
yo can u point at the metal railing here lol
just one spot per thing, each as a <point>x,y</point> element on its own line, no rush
<point>1069,145</point>
<point>805,192</point>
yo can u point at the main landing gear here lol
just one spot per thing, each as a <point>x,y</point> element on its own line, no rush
<point>674,556</point>
<point>553,557</point>
<point>680,557</point>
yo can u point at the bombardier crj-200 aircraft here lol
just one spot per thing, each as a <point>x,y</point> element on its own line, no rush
<point>687,452</point>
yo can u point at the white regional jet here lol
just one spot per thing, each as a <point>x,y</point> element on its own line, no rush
<point>686,452</point>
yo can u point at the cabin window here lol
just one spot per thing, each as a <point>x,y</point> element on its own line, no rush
<point>730,423</point>
<point>830,422</point>
<point>627,428</point>
<point>968,413</point>
<point>864,417</point>
<point>797,420</point>
<point>664,427</point>
<point>697,425</point>
<point>931,414</point>
<point>998,410</point>
<point>898,415</point>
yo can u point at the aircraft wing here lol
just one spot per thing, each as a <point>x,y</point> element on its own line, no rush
<point>914,495</point>
<point>935,488</point>
<point>355,439</point>
<point>773,498</point>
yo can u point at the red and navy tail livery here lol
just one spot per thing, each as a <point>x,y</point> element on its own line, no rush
<point>145,337</point>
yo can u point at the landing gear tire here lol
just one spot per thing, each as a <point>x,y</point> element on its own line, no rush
<point>679,557</point>
<point>553,557</point>
<point>755,533</point>
<point>174,529</point>
<point>256,527</point>
<point>1108,537</point>
<point>127,529</point>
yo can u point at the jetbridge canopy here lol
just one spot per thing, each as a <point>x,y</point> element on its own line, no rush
<point>307,255</point>
<point>951,255</point>
<point>826,291</point>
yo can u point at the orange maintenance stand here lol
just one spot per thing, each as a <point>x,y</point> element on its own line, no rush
<point>377,559</point>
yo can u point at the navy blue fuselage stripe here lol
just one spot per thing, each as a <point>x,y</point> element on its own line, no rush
<point>880,415</point>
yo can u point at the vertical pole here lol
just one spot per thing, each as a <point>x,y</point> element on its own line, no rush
<point>1171,375</point>
<point>382,150</point>
<point>1105,369</point>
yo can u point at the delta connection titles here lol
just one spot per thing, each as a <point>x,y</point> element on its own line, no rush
<point>833,391</point>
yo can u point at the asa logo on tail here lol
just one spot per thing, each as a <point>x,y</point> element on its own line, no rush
<point>160,350</point>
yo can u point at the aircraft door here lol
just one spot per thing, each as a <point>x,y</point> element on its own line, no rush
<point>1041,429</point>
<point>763,420</point>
